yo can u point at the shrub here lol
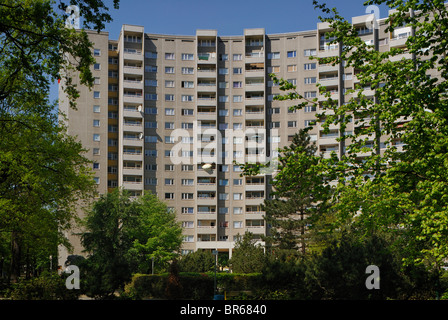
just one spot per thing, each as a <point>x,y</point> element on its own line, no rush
<point>48,286</point>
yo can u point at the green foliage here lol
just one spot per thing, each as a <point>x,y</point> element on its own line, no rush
<point>122,236</point>
<point>48,286</point>
<point>198,261</point>
<point>247,257</point>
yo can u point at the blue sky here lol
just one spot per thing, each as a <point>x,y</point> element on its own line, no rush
<point>228,17</point>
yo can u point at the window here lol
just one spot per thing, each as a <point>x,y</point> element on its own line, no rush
<point>97,180</point>
<point>97,66</point>
<point>237,84</point>
<point>150,153</point>
<point>310,94</point>
<point>223,98</point>
<point>237,224</point>
<point>96,165</point>
<point>187,224</point>
<point>169,182</point>
<point>237,196</point>
<point>187,84</point>
<point>187,98</point>
<point>96,109</point>
<point>223,126</point>
<point>96,94</point>
<point>187,56</point>
<point>169,139</point>
<point>186,70</point>
<point>237,98</point>
<point>237,182</point>
<point>187,112</point>
<point>237,57</point>
<point>151,83</point>
<point>275,124</point>
<point>274,69</point>
<point>292,124</point>
<point>309,52</point>
<point>96,52</point>
<point>187,196</point>
<point>187,210</point>
<point>237,70</point>
<point>237,126</point>
<point>310,80</point>
<point>223,182</point>
<point>237,210</point>
<point>169,196</point>
<point>223,57</point>
<point>223,196</point>
<point>151,181</point>
<point>169,56</point>
<point>169,84</point>
<point>169,97</point>
<point>310,66</point>
<point>150,124</point>
<point>150,110</point>
<point>237,112</point>
<point>151,55</point>
<point>292,54</point>
<point>223,85</point>
<point>96,137</point>
<point>169,125</point>
<point>187,125</point>
<point>169,111</point>
<point>97,80</point>
<point>188,239</point>
<point>309,108</point>
<point>223,112</point>
<point>274,55</point>
<point>96,123</point>
<point>169,69</point>
<point>223,71</point>
<point>187,167</point>
<point>223,210</point>
<point>187,182</point>
<point>150,68</point>
<point>292,68</point>
<point>151,167</point>
<point>151,139</point>
<point>96,151</point>
<point>151,96</point>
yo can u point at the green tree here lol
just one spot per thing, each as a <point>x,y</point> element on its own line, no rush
<point>42,170</point>
<point>247,256</point>
<point>198,261</point>
<point>122,235</point>
<point>301,192</point>
<point>410,106</point>
<point>43,173</point>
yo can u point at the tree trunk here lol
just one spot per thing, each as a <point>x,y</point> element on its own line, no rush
<point>15,256</point>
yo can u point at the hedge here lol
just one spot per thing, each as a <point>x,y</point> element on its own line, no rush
<point>195,286</point>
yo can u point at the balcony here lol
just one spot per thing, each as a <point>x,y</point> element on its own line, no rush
<point>255,57</point>
<point>207,57</point>
<point>254,84</point>
<point>136,98</point>
<point>132,126</point>
<point>206,86</point>
<point>132,84</point>
<point>132,54</point>
<point>206,100</point>
<point>132,69</point>
<point>206,72</point>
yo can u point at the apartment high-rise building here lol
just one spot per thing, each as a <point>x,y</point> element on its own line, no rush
<point>169,114</point>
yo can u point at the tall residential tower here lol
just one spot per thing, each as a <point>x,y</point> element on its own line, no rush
<point>169,114</point>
